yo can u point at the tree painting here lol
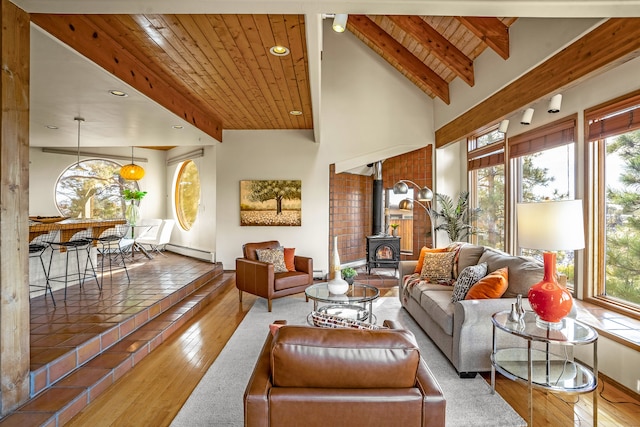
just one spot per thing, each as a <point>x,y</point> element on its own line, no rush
<point>271,202</point>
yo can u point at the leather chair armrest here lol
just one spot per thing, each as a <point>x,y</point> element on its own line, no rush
<point>303,264</point>
<point>433,401</point>
<point>255,277</point>
<point>256,395</point>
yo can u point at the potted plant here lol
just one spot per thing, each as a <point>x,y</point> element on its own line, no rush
<point>456,218</point>
<point>132,212</point>
<point>349,274</point>
<point>394,229</point>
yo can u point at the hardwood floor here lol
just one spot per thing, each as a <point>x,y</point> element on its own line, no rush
<point>153,392</point>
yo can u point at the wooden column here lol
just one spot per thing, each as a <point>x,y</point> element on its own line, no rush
<point>14,207</point>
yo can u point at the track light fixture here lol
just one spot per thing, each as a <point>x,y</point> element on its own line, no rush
<point>340,22</point>
<point>504,125</point>
<point>527,116</point>
<point>555,103</point>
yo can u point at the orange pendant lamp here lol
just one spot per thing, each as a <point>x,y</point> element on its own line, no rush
<point>132,172</point>
<point>550,226</point>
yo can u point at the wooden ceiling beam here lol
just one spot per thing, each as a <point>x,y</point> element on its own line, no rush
<point>79,33</point>
<point>614,42</point>
<point>491,31</point>
<point>434,42</point>
<point>391,47</point>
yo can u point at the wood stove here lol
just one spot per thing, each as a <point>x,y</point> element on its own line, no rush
<point>382,251</point>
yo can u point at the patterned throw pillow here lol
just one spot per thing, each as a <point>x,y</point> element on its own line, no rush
<point>324,320</point>
<point>273,256</point>
<point>467,278</point>
<point>437,267</point>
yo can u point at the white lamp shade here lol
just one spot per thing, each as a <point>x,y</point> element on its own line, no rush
<point>551,226</point>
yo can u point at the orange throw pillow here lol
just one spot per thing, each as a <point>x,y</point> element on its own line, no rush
<point>423,252</point>
<point>493,285</point>
<point>289,255</point>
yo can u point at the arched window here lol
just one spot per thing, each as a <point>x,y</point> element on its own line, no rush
<point>187,194</point>
<point>92,189</point>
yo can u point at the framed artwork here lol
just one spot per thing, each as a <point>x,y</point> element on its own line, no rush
<point>270,203</point>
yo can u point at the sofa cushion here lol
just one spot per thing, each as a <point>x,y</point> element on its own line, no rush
<point>425,250</point>
<point>468,277</point>
<point>438,267</point>
<point>304,356</point>
<point>524,272</point>
<point>273,256</point>
<point>290,279</point>
<point>289,258</point>
<point>469,255</point>
<point>493,285</point>
<point>439,307</point>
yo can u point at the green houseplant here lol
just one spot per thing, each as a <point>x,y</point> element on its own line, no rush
<point>132,213</point>
<point>349,274</point>
<point>394,229</point>
<point>455,218</point>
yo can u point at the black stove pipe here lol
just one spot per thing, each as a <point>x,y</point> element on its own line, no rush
<point>378,210</point>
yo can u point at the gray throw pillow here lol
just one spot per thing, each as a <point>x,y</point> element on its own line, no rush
<point>467,278</point>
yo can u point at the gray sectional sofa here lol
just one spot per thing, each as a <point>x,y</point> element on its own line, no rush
<point>463,330</point>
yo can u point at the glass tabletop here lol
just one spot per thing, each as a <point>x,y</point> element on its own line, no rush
<point>358,292</point>
<point>571,332</point>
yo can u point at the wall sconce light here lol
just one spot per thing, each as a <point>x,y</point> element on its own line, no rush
<point>555,103</point>
<point>340,22</point>
<point>504,125</point>
<point>527,116</point>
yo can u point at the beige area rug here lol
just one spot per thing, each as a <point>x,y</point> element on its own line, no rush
<point>217,400</point>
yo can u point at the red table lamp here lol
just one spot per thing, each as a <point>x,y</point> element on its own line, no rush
<point>550,226</point>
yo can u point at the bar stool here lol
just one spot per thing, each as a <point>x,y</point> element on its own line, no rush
<point>111,246</point>
<point>81,241</point>
<point>37,248</point>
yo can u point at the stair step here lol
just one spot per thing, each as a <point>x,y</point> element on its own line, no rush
<point>68,384</point>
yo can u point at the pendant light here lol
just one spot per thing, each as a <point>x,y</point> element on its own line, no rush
<point>132,171</point>
<point>79,120</point>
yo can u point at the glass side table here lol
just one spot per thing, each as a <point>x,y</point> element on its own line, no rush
<point>356,303</point>
<point>541,368</point>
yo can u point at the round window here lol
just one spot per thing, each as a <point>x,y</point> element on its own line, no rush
<point>187,197</point>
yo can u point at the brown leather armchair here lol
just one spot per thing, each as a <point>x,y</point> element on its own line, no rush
<point>258,278</point>
<point>342,377</point>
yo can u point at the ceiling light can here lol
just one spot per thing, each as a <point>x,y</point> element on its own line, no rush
<point>279,50</point>
<point>527,116</point>
<point>340,22</point>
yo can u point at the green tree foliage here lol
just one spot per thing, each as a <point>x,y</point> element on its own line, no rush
<point>623,222</point>
<point>92,189</point>
<point>490,220</point>
<point>277,190</point>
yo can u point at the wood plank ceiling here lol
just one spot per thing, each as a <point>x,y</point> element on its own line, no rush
<point>216,72</point>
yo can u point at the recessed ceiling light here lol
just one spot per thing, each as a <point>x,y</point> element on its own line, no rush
<point>279,50</point>
<point>120,93</point>
<point>295,112</point>
<point>51,127</point>
<point>177,126</point>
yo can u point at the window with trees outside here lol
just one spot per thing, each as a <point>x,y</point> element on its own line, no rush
<point>485,165</point>
<point>187,194</point>
<point>543,164</point>
<point>92,189</point>
<point>614,152</point>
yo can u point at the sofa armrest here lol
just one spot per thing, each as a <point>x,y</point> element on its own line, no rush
<point>256,395</point>
<point>473,332</point>
<point>303,264</point>
<point>433,401</point>
<point>255,277</point>
<point>393,324</point>
<point>407,267</point>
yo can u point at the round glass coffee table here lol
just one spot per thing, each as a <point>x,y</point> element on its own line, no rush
<point>356,303</point>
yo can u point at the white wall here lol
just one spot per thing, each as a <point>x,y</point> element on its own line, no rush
<point>45,169</point>
<point>368,111</point>
<point>531,40</point>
